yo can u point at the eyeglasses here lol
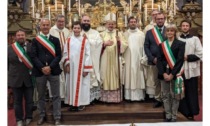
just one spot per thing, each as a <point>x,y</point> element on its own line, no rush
<point>160,19</point>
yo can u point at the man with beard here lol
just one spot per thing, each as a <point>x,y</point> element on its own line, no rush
<point>19,77</point>
<point>189,105</point>
<point>134,76</point>
<point>114,44</point>
<point>153,38</point>
<point>59,31</point>
<point>95,41</point>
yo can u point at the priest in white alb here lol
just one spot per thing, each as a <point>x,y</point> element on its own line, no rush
<point>62,33</point>
<point>134,74</point>
<point>113,44</point>
<point>78,65</point>
<point>95,40</point>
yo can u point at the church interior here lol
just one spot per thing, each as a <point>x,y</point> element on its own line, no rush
<point>26,14</point>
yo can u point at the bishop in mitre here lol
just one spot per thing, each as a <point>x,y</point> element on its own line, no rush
<point>113,44</point>
<point>134,74</point>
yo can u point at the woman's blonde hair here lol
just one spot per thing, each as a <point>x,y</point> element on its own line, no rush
<point>174,27</point>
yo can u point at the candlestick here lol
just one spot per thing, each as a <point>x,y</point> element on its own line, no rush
<point>159,7</point>
<point>152,4</point>
<point>56,8</point>
<point>49,12</point>
<point>166,4</point>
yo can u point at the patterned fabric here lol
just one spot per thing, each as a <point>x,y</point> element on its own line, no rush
<point>111,96</point>
<point>95,93</point>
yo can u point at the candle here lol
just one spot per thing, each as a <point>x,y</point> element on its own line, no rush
<point>62,9</point>
<point>159,7</point>
<point>32,4</point>
<point>174,7</point>
<point>79,7</point>
<point>56,8</point>
<point>125,20</point>
<point>152,4</point>
<point>69,5</point>
<point>145,12</point>
<point>42,5</point>
<point>49,11</point>
<point>140,5</point>
<point>166,4</point>
<point>130,7</point>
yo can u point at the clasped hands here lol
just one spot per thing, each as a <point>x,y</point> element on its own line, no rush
<point>67,70</point>
<point>46,70</point>
<point>168,77</point>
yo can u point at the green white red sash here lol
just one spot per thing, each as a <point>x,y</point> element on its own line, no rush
<point>20,52</point>
<point>46,43</point>
<point>179,87</point>
<point>157,35</point>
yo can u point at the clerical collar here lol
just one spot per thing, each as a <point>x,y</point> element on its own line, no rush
<point>48,35</point>
<point>185,36</point>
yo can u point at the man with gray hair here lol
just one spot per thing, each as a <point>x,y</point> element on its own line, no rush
<point>62,33</point>
<point>152,23</point>
<point>46,55</point>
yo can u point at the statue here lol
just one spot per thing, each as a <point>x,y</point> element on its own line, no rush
<point>83,8</point>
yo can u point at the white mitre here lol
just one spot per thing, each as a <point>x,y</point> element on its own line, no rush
<point>110,17</point>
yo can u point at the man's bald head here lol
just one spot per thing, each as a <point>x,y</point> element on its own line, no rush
<point>45,25</point>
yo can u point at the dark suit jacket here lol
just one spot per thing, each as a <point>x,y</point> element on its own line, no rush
<point>40,56</point>
<point>18,73</point>
<point>150,47</point>
<point>178,49</point>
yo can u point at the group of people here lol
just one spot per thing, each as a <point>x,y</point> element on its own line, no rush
<point>84,66</point>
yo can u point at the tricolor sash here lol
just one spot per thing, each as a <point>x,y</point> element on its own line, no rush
<point>46,43</point>
<point>157,35</point>
<point>179,87</point>
<point>20,52</point>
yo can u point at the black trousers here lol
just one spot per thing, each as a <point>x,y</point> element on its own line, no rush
<point>189,105</point>
<point>27,94</point>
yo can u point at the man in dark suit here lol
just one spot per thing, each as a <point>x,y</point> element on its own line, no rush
<point>152,50</point>
<point>19,77</point>
<point>46,55</point>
